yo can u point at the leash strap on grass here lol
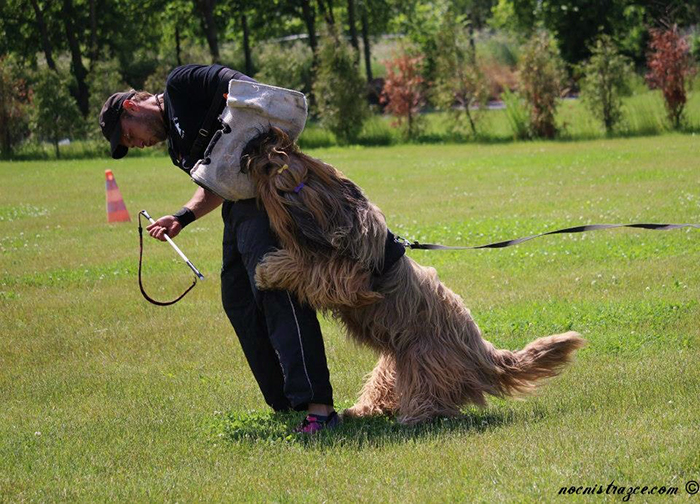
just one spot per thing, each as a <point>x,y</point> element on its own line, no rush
<point>508,243</point>
<point>143,291</point>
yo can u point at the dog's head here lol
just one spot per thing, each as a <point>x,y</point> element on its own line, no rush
<point>273,164</point>
<point>305,198</point>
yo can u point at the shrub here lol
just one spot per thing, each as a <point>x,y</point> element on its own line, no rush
<point>15,97</point>
<point>541,78</point>
<point>498,77</point>
<point>670,69</point>
<point>376,131</point>
<point>605,80</point>
<point>498,56</point>
<point>289,67</point>
<point>644,114</point>
<point>54,114</point>
<point>339,89</point>
<point>403,92</point>
<point>315,137</point>
<point>517,114</point>
<point>420,23</point>
<point>460,86</point>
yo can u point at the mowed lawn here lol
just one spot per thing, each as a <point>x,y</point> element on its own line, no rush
<point>104,397</point>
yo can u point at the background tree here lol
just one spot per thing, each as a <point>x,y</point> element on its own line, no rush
<point>421,22</point>
<point>104,80</point>
<point>308,14</point>
<point>670,69</point>
<point>205,8</point>
<point>605,80</point>
<point>352,28</point>
<point>81,92</point>
<point>46,43</point>
<point>542,76</point>
<point>366,47</point>
<point>106,46</point>
<point>667,13</point>
<point>21,32</point>
<point>54,113</point>
<point>404,93</point>
<point>129,31</point>
<point>177,29</point>
<point>15,98</point>
<point>325,7</point>
<point>375,16</point>
<point>339,88</point>
<point>574,23</point>
<point>246,43</point>
<point>286,65</point>
<point>461,85</point>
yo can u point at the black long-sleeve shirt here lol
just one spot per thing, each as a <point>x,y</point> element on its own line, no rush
<point>189,92</point>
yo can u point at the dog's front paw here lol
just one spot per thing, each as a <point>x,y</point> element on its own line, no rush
<point>279,270</point>
<point>263,279</point>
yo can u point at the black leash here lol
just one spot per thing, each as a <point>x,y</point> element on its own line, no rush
<point>149,298</point>
<point>432,246</point>
<point>577,229</point>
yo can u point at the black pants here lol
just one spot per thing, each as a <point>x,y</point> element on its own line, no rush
<point>281,338</point>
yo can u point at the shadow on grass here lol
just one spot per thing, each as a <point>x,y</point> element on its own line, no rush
<point>272,428</point>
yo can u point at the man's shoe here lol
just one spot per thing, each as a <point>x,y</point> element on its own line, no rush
<point>315,423</point>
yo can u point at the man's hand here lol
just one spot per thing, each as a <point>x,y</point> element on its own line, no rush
<point>201,203</point>
<point>166,224</point>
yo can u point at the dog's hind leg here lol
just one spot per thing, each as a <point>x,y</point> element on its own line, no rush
<point>378,395</point>
<point>426,386</point>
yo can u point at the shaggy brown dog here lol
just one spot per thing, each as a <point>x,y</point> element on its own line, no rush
<point>432,356</point>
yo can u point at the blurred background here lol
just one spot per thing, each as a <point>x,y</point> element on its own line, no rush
<point>377,72</point>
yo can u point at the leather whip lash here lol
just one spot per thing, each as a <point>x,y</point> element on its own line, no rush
<point>179,252</point>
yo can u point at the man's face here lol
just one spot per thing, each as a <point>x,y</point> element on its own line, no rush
<point>140,129</point>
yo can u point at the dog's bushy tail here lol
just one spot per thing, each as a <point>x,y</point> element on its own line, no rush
<point>519,372</point>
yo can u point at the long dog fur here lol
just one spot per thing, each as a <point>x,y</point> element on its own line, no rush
<point>432,357</point>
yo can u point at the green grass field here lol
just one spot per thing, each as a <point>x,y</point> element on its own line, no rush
<point>104,397</point>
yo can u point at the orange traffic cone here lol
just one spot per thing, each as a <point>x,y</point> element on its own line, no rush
<point>116,209</point>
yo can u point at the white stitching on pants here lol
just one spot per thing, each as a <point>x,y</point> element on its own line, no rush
<point>279,359</point>
<point>303,358</point>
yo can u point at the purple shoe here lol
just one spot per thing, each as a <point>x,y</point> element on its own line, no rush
<point>315,423</point>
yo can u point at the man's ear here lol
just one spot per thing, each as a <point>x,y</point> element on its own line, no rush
<point>130,105</point>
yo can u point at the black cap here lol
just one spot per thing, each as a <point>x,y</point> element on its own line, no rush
<point>110,124</point>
